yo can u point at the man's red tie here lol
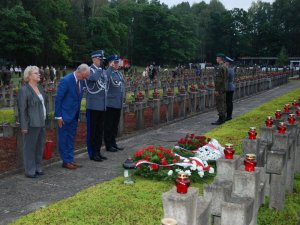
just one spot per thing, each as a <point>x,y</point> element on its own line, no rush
<point>78,87</point>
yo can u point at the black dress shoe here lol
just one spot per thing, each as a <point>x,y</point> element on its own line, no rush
<point>102,157</point>
<point>218,122</point>
<point>39,173</point>
<point>111,149</point>
<point>119,148</point>
<point>31,176</point>
<point>228,118</point>
<point>97,158</point>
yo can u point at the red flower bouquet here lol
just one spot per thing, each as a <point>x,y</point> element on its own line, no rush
<point>158,155</point>
<point>154,161</point>
<point>163,164</point>
<point>192,142</point>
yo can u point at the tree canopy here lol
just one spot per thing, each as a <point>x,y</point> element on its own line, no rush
<point>66,31</point>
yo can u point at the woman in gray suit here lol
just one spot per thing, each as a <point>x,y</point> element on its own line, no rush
<point>32,113</point>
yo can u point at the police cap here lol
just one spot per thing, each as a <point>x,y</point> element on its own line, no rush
<point>227,59</point>
<point>98,54</point>
<point>222,55</point>
<point>113,58</point>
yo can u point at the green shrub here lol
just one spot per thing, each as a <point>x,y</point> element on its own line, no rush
<point>7,116</point>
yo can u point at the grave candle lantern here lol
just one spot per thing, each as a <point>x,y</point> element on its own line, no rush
<point>298,111</point>
<point>129,167</point>
<point>269,121</point>
<point>278,114</point>
<point>295,104</point>
<point>287,108</point>
<point>281,128</point>
<point>291,119</point>
<point>250,162</point>
<point>182,183</point>
<point>229,151</point>
<point>252,133</point>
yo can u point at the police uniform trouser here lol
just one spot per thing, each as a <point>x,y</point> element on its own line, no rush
<point>112,119</point>
<point>221,104</point>
<point>95,123</point>
<point>229,103</point>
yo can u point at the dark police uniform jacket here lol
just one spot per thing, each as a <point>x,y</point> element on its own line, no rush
<point>116,88</point>
<point>96,84</point>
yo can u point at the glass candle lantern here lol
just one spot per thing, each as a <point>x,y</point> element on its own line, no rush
<point>229,151</point>
<point>48,150</point>
<point>278,114</point>
<point>269,121</point>
<point>182,182</point>
<point>298,111</point>
<point>281,128</point>
<point>129,167</point>
<point>295,103</point>
<point>292,119</point>
<point>252,133</point>
<point>156,93</point>
<point>250,162</point>
<point>287,108</point>
<point>168,221</point>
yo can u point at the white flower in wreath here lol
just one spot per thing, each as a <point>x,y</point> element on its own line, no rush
<point>170,173</point>
<point>176,147</point>
<point>193,167</point>
<point>188,172</point>
<point>201,173</point>
<point>178,170</point>
<point>186,160</point>
<point>211,170</point>
<point>199,168</point>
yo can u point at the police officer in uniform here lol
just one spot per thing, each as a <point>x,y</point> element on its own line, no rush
<point>114,103</point>
<point>96,85</point>
<point>220,88</point>
<point>230,88</point>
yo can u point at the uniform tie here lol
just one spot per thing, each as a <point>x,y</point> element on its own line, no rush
<point>78,87</point>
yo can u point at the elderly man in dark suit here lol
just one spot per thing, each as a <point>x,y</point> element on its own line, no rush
<point>67,108</point>
<point>115,96</point>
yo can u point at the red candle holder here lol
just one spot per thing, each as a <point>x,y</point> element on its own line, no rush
<point>182,183</point>
<point>295,103</point>
<point>250,162</point>
<point>292,119</point>
<point>278,114</point>
<point>269,121</point>
<point>281,128</point>
<point>252,133</point>
<point>298,112</point>
<point>287,108</point>
<point>229,151</point>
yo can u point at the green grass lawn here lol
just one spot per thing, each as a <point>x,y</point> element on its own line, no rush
<point>235,130</point>
<point>114,203</point>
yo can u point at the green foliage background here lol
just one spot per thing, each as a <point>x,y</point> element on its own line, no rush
<point>53,32</point>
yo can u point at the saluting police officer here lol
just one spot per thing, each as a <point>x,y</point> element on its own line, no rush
<point>114,103</point>
<point>220,88</point>
<point>96,85</point>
